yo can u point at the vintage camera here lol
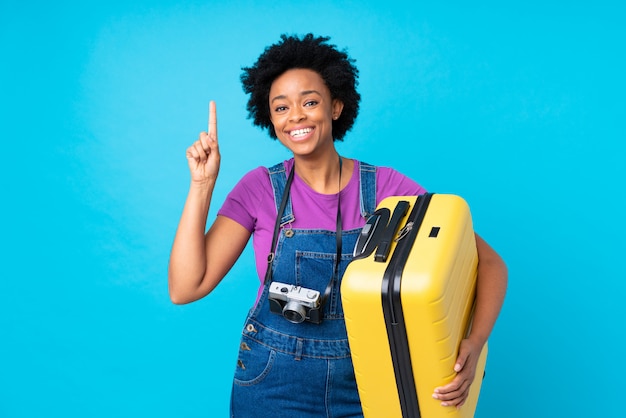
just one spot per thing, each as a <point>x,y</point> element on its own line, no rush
<point>295,303</point>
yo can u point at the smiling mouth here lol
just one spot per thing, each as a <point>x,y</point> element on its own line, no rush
<point>299,133</point>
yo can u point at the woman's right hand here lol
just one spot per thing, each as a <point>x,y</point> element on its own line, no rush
<point>203,156</point>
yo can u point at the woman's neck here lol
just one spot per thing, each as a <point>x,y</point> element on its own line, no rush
<point>323,175</point>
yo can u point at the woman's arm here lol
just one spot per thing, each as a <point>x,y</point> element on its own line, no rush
<point>490,291</point>
<point>199,261</point>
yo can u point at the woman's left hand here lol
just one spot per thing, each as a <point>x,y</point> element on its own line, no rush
<point>456,392</point>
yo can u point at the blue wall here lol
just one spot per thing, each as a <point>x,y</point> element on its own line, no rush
<point>517,106</point>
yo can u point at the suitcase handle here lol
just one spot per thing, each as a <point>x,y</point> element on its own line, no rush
<point>392,228</point>
<point>371,232</point>
<point>379,231</point>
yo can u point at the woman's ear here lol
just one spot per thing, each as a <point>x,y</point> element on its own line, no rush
<point>337,107</point>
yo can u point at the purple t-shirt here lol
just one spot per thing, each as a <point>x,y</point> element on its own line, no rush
<point>251,204</point>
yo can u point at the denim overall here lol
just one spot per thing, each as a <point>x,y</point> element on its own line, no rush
<point>301,370</point>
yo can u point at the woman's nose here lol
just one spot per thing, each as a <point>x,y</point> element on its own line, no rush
<point>296,114</point>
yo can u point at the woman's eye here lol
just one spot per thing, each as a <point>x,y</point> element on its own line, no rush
<point>280,109</point>
<point>311,103</point>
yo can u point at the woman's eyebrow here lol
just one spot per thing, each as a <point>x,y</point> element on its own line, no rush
<point>303,93</point>
<point>307,92</point>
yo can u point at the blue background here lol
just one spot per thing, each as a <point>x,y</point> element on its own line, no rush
<point>516,106</point>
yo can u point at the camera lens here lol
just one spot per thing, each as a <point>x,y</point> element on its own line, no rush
<point>294,312</point>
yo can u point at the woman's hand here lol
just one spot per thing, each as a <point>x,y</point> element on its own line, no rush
<point>456,392</point>
<point>203,156</point>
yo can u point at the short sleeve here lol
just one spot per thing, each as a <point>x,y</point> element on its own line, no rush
<point>393,183</point>
<point>245,199</point>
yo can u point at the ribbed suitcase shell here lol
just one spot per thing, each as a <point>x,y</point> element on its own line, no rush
<point>437,293</point>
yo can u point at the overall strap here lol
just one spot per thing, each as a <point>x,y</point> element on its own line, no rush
<point>284,199</point>
<point>367,194</point>
<point>278,176</point>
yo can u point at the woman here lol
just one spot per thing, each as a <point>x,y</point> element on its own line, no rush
<point>306,213</point>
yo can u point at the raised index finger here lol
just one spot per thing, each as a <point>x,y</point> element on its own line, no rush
<point>212,120</point>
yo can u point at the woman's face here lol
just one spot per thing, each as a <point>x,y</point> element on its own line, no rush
<point>302,112</point>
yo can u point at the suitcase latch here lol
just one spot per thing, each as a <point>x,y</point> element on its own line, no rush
<point>404,231</point>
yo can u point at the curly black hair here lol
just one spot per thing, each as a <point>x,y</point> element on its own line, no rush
<point>309,52</point>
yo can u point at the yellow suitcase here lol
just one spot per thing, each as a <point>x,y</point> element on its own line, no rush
<point>408,300</point>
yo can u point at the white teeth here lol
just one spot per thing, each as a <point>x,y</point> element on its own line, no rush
<point>300,132</point>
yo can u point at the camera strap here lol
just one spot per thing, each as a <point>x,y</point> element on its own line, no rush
<point>281,210</point>
<point>331,283</point>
